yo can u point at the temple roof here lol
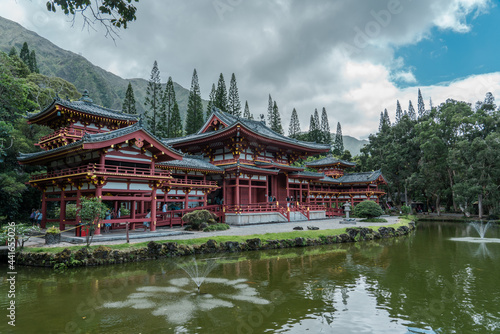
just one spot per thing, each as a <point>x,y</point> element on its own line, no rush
<point>328,161</point>
<point>257,127</point>
<point>363,177</point>
<point>85,105</point>
<point>192,162</point>
<point>360,177</point>
<point>278,165</point>
<point>306,174</point>
<point>250,167</point>
<point>97,138</point>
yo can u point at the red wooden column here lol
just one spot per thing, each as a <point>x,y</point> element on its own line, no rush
<point>98,194</point>
<point>249,189</point>
<point>205,191</point>
<point>44,209</point>
<point>132,212</point>
<point>78,195</point>
<point>224,192</point>
<point>62,212</point>
<point>237,189</point>
<point>308,198</point>
<point>186,198</point>
<point>153,209</point>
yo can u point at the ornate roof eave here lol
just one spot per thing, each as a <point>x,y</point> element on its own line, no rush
<point>249,168</point>
<point>189,163</point>
<point>329,161</point>
<point>361,178</point>
<point>284,141</point>
<point>103,140</point>
<point>77,107</point>
<point>306,175</point>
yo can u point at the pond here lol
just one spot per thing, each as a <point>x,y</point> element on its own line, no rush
<point>428,282</point>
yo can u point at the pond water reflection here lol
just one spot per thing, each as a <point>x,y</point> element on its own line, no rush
<point>423,283</point>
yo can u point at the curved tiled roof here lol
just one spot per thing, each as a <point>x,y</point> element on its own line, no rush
<point>254,126</point>
<point>238,164</point>
<point>96,138</point>
<point>307,174</point>
<point>85,105</point>
<point>360,177</point>
<point>330,160</point>
<point>193,162</point>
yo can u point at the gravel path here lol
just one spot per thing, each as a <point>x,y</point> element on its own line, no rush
<point>322,224</point>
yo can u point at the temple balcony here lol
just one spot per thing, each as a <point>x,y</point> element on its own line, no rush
<point>63,136</point>
<point>97,170</point>
<point>93,171</point>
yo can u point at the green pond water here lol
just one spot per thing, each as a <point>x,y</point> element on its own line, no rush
<point>435,281</point>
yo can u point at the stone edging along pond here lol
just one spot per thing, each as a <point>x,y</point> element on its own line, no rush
<point>103,255</point>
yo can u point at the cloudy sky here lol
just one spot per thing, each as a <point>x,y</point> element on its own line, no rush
<point>354,58</point>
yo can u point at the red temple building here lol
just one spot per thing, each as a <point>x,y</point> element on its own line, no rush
<point>237,168</point>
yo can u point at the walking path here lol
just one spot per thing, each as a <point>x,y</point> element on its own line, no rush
<point>178,233</point>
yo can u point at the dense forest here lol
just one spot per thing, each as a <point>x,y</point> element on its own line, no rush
<point>446,157</point>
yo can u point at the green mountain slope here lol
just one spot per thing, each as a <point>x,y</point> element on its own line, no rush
<point>105,88</point>
<point>352,144</point>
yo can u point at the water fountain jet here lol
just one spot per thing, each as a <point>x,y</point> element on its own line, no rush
<point>480,228</point>
<point>198,272</point>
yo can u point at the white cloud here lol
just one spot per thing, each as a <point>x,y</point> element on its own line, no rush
<point>333,54</point>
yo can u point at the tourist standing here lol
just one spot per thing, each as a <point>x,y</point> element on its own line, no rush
<point>32,217</point>
<point>146,223</point>
<point>38,217</point>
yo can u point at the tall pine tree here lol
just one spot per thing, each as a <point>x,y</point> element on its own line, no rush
<point>175,122</point>
<point>194,113</point>
<point>315,134</point>
<point>12,51</point>
<point>325,128</point>
<point>246,112</point>
<point>233,98</point>
<point>338,145</point>
<point>270,114</point>
<point>211,99</point>
<point>387,119</point>
<point>169,101</point>
<point>411,112</point>
<point>32,63</point>
<point>129,101</point>
<point>381,122</point>
<point>24,54</point>
<point>421,105</point>
<point>385,122</point>
<point>153,101</point>
<point>399,112</point>
<point>276,125</point>
<point>294,128</point>
<point>220,100</point>
<point>270,110</point>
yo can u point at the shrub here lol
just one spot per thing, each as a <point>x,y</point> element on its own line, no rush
<point>53,230</point>
<point>216,227</point>
<point>198,217</point>
<point>367,209</point>
<point>70,211</point>
<point>124,211</point>
<point>405,209</point>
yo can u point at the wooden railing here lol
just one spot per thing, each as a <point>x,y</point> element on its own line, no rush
<point>102,169</point>
<point>176,181</point>
<point>68,132</point>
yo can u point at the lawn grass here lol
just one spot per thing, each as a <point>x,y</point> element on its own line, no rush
<point>313,234</point>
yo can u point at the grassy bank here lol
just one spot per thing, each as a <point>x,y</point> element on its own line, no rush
<point>312,234</point>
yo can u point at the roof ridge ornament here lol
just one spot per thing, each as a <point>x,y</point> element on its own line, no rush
<point>85,97</point>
